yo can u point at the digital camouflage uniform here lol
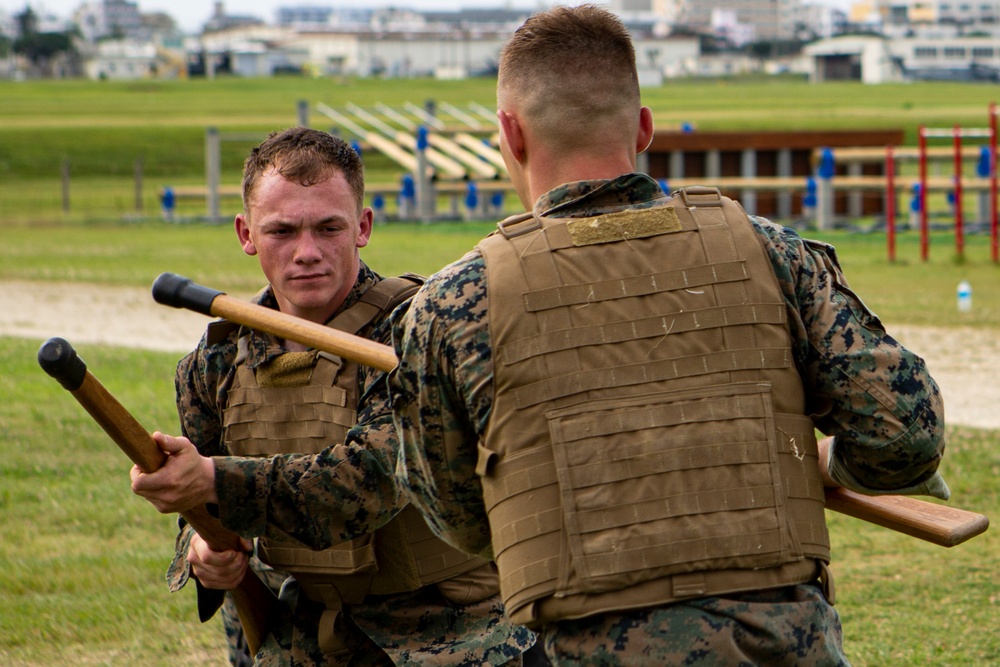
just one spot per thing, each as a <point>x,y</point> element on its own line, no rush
<point>872,394</point>
<point>353,493</point>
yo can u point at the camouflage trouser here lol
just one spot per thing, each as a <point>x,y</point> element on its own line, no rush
<point>417,629</point>
<point>423,628</point>
<point>792,626</point>
<point>239,652</point>
<point>292,639</point>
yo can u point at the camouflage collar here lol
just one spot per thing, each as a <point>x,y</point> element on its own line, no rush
<point>584,198</point>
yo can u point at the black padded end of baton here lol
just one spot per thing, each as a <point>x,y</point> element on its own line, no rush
<point>58,358</point>
<point>171,289</point>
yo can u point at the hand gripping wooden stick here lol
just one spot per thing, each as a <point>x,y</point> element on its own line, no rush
<point>254,600</point>
<point>939,524</point>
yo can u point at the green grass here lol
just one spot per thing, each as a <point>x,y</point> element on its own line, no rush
<point>906,602</point>
<point>86,558</point>
<point>103,128</point>
<point>134,254</point>
<point>83,559</point>
<point>908,291</point>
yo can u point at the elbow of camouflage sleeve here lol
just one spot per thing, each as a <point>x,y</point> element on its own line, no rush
<point>929,483</point>
<point>904,461</point>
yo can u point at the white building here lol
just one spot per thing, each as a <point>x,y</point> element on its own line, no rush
<point>770,19</point>
<point>666,58</point>
<point>819,20</point>
<point>109,18</point>
<point>660,15</point>
<point>8,26</point>
<point>949,58</point>
<point>122,59</point>
<point>868,59</point>
<point>873,59</point>
<point>725,24</point>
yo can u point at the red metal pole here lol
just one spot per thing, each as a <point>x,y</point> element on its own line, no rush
<point>923,194</point>
<point>959,231</point>
<point>890,202</point>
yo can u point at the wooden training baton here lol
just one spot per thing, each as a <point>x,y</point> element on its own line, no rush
<point>939,524</point>
<point>254,600</point>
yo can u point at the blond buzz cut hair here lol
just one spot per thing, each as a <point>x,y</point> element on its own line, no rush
<point>571,71</point>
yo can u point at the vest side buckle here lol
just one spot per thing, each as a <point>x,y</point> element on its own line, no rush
<point>700,195</point>
<point>518,225</point>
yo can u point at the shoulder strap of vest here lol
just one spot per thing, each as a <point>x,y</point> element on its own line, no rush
<point>697,198</point>
<point>219,330</point>
<point>694,196</point>
<point>508,228</point>
<point>380,299</point>
<point>518,224</point>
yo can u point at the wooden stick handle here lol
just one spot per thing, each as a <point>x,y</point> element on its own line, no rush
<point>940,524</point>
<point>254,600</point>
<point>179,292</point>
<point>946,526</point>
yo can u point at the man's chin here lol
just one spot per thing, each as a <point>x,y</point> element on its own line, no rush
<point>309,300</point>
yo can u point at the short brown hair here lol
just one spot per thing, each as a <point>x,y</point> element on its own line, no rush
<point>569,68</point>
<point>305,156</point>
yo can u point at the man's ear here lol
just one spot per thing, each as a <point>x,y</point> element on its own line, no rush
<point>512,135</point>
<point>365,222</point>
<point>645,136</point>
<point>242,226</point>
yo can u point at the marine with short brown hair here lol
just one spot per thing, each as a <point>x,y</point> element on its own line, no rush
<point>366,582</point>
<point>615,395</point>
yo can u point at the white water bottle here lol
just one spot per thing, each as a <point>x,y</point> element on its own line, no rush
<point>964,294</point>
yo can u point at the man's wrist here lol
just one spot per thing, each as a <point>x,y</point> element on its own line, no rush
<point>208,481</point>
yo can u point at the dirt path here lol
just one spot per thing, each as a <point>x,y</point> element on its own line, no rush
<point>963,360</point>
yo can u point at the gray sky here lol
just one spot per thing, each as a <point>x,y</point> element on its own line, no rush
<point>191,14</point>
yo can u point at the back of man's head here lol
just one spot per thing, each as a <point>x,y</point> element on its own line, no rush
<point>304,156</point>
<point>571,73</point>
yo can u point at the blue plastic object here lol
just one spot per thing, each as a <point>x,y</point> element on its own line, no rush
<point>809,199</point>
<point>983,166</point>
<point>408,190</point>
<point>826,164</point>
<point>915,199</point>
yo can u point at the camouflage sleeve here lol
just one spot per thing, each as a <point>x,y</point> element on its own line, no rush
<point>346,491</point>
<point>872,394</point>
<point>442,394</point>
<point>197,382</point>
<point>199,423</point>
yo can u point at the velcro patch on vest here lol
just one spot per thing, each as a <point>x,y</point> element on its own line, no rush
<point>623,226</point>
<point>291,369</point>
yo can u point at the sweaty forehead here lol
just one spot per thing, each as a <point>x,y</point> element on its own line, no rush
<point>278,198</point>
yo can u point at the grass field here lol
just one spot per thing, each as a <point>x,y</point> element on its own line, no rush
<point>83,559</point>
<point>102,128</point>
<point>908,291</point>
<point>84,583</point>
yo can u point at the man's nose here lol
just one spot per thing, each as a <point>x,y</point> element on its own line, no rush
<point>307,249</point>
